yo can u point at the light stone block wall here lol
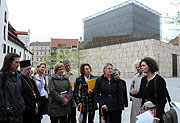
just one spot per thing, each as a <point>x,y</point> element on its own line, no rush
<point>123,56</point>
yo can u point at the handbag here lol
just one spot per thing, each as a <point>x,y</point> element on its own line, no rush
<point>80,115</point>
<point>171,115</point>
<point>102,116</point>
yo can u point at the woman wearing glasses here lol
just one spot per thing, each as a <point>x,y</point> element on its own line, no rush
<point>86,96</point>
<point>60,99</point>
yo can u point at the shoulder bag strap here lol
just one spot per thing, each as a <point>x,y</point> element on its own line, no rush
<point>167,93</point>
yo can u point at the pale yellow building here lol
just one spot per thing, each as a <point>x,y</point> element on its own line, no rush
<point>41,53</point>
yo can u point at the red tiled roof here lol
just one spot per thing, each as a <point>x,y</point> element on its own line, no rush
<point>21,33</point>
<point>68,42</point>
<point>12,36</point>
<point>175,41</point>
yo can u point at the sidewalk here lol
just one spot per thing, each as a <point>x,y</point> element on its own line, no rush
<point>173,85</point>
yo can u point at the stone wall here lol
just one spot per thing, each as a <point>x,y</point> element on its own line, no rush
<point>123,56</point>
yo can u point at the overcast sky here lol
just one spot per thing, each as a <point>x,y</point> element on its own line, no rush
<point>48,19</point>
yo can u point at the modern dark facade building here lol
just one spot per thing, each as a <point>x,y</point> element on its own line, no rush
<point>125,22</point>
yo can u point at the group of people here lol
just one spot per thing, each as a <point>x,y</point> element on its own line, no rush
<point>23,98</point>
<point>29,97</point>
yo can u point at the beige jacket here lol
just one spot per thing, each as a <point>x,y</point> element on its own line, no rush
<point>72,76</point>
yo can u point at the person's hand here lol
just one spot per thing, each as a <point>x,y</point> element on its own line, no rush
<point>156,120</point>
<point>90,91</point>
<point>105,107</point>
<point>36,109</point>
<point>66,102</point>
<point>79,104</point>
<point>133,91</point>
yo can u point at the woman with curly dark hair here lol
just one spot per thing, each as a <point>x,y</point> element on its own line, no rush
<point>86,96</point>
<point>152,99</point>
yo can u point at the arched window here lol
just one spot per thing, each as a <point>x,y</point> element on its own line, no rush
<point>5,17</point>
<point>5,33</point>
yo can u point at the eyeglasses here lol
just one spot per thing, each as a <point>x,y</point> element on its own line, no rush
<point>60,69</point>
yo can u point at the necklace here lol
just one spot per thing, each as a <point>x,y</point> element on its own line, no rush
<point>31,87</point>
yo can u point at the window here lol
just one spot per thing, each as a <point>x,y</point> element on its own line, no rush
<point>11,50</point>
<point>5,17</point>
<point>20,54</point>
<point>37,53</point>
<point>74,46</point>
<point>40,58</point>
<point>8,49</point>
<point>41,52</point>
<point>4,48</point>
<point>14,50</point>
<point>37,59</point>
<point>5,33</point>
<point>37,48</point>
<point>44,53</point>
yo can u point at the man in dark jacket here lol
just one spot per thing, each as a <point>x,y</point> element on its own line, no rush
<point>30,94</point>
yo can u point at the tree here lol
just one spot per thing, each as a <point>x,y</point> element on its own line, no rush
<point>77,56</point>
<point>61,53</point>
<point>173,20</point>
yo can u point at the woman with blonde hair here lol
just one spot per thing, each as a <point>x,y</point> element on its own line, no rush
<point>41,84</point>
<point>108,93</point>
<point>60,99</point>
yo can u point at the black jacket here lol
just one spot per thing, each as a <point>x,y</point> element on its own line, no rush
<point>13,96</point>
<point>109,93</point>
<point>28,86</point>
<point>81,95</point>
<point>147,93</point>
<point>124,92</point>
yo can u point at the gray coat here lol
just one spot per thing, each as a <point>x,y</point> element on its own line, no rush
<point>56,86</point>
<point>136,102</point>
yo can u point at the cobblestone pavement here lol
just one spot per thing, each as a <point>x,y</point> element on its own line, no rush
<point>173,85</point>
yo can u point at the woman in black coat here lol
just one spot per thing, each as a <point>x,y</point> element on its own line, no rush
<point>147,89</point>
<point>108,93</point>
<point>12,89</point>
<point>83,96</point>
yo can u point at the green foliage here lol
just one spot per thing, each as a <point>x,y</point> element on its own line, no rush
<point>173,19</point>
<point>62,53</point>
<point>77,56</point>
